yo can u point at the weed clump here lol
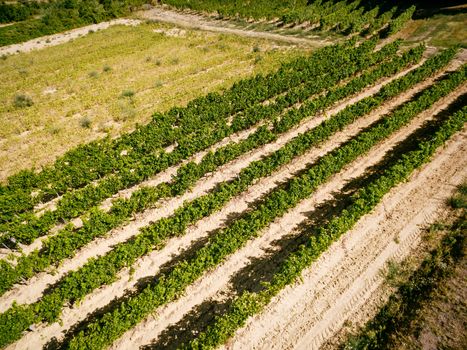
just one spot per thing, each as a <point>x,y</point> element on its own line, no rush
<point>22,101</point>
<point>85,123</point>
<point>128,93</point>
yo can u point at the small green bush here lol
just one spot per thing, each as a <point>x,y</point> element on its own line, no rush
<point>85,122</point>
<point>22,101</point>
<point>128,93</point>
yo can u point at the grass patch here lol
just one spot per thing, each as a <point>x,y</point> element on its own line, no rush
<point>441,30</point>
<point>459,201</point>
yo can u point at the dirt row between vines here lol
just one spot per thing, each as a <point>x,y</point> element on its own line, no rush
<point>32,290</point>
<point>149,265</point>
<point>346,276</point>
<point>221,284</point>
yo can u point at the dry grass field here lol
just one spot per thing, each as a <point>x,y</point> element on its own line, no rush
<point>105,82</point>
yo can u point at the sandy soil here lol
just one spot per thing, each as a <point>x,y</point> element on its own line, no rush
<point>57,39</point>
<point>305,315</point>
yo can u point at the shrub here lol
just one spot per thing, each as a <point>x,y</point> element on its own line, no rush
<point>85,122</point>
<point>22,101</point>
<point>128,93</point>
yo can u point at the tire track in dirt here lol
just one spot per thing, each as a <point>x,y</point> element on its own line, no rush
<point>196,21</point>
<point>149,265</point>
<point>305,315</point>
<point>214,285</point>
<point>357,293</point>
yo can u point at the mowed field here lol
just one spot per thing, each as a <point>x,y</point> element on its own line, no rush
<point>105,82</point>
<point>259,204</point>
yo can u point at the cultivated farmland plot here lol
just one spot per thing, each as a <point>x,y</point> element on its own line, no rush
<point>258,214</point>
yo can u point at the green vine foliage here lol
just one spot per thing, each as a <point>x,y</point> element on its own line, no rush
<point>103,270</point>
<point>67,241</point>
<point>75,203</point>
<point>103,330</point>
<point>194,127</point>
<point>342,17</point>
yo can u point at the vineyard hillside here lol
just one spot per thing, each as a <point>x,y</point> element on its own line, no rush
<point>233,174</point>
